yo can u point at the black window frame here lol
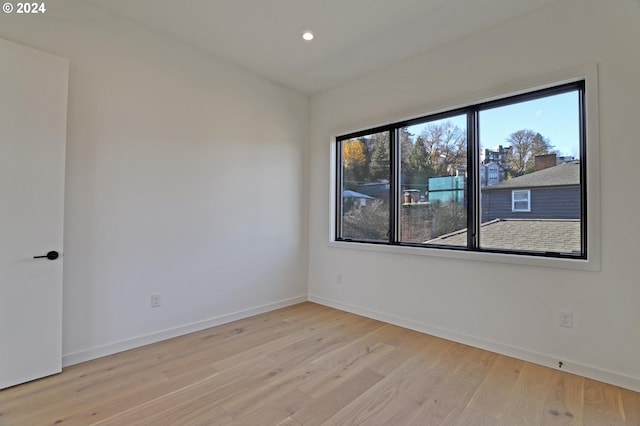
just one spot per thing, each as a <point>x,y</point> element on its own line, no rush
<point>472,113</point>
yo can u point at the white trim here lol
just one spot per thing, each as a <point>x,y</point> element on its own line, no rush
<point>547,360</point>
<point>514,201</point>
<point>112,348</point>
<point>586,72</point>
<point>593,165</point>
<point>465,255</point>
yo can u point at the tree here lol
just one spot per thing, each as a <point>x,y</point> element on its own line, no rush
<point>525,145</point>
<point>379,165</point>
<point>446,144</point>
<point>406,145</point>
<point>541,145</point>
<point>354,160</point>
<point>419,169</point>
<point>369,223</point>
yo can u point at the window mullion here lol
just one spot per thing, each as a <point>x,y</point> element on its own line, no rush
<point>394,184</point>
<point>473,180</point>
<point>338,199</point>
<point>583,168</point>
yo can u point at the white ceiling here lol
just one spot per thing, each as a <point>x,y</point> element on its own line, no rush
<point>353,37</point>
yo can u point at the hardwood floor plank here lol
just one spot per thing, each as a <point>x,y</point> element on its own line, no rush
<point>457,391</point>
<point>81,409</point>
<point>185,415</point>
<point>631,406</point>
<point>317,345</point>
<point>325,405</point>
<point>565,403</point>
<point>276,411</point>
<point>395,399</point>
<point>283,337</point>
<point>602,404</point>
<point>527,401</point>
<point>272,389</point>
<point>470,417</point>
<point>342,369</point>
<point>312,365</point>
<point>495,390</point>
<point>289,421</point>
<point>208,392</point>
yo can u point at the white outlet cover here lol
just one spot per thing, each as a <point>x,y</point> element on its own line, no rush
<point>566,319</point>
<point>155,300</point>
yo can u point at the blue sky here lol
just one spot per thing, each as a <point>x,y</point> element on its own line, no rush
<point>554,117</point>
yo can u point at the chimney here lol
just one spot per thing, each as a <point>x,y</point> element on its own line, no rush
<point>545,161</point>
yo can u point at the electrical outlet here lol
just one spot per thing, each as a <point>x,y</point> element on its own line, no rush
<point>566,319</point>
<point>155,300</point>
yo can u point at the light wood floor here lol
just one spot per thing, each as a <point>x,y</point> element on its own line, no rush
<point>312,365</point>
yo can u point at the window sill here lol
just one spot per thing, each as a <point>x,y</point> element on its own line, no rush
<point>513,259</point>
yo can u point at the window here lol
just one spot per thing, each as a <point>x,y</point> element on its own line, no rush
<point>365,187</point>
<point>520,201</point>
<point>504,176</point>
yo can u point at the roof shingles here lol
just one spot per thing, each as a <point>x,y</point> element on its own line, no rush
<point>540,235</point>
<point>562,175</point>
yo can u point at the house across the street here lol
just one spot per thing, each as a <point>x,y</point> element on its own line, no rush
<point>551,193</point>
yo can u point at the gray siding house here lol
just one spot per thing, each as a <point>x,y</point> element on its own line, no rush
<point>552,193</point>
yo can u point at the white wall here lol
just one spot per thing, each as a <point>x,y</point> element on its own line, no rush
<point>507,308</point>
<point>185,177</point>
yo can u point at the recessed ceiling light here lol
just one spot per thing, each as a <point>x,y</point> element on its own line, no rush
<point>307,35</point>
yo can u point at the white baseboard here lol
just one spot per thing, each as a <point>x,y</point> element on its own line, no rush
<point>569,366</point>
<point>112,348</point>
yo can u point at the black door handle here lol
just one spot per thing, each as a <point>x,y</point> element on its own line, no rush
<point>52,255</point>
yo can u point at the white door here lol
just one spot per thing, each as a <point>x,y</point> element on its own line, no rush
<point>33,118</point>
